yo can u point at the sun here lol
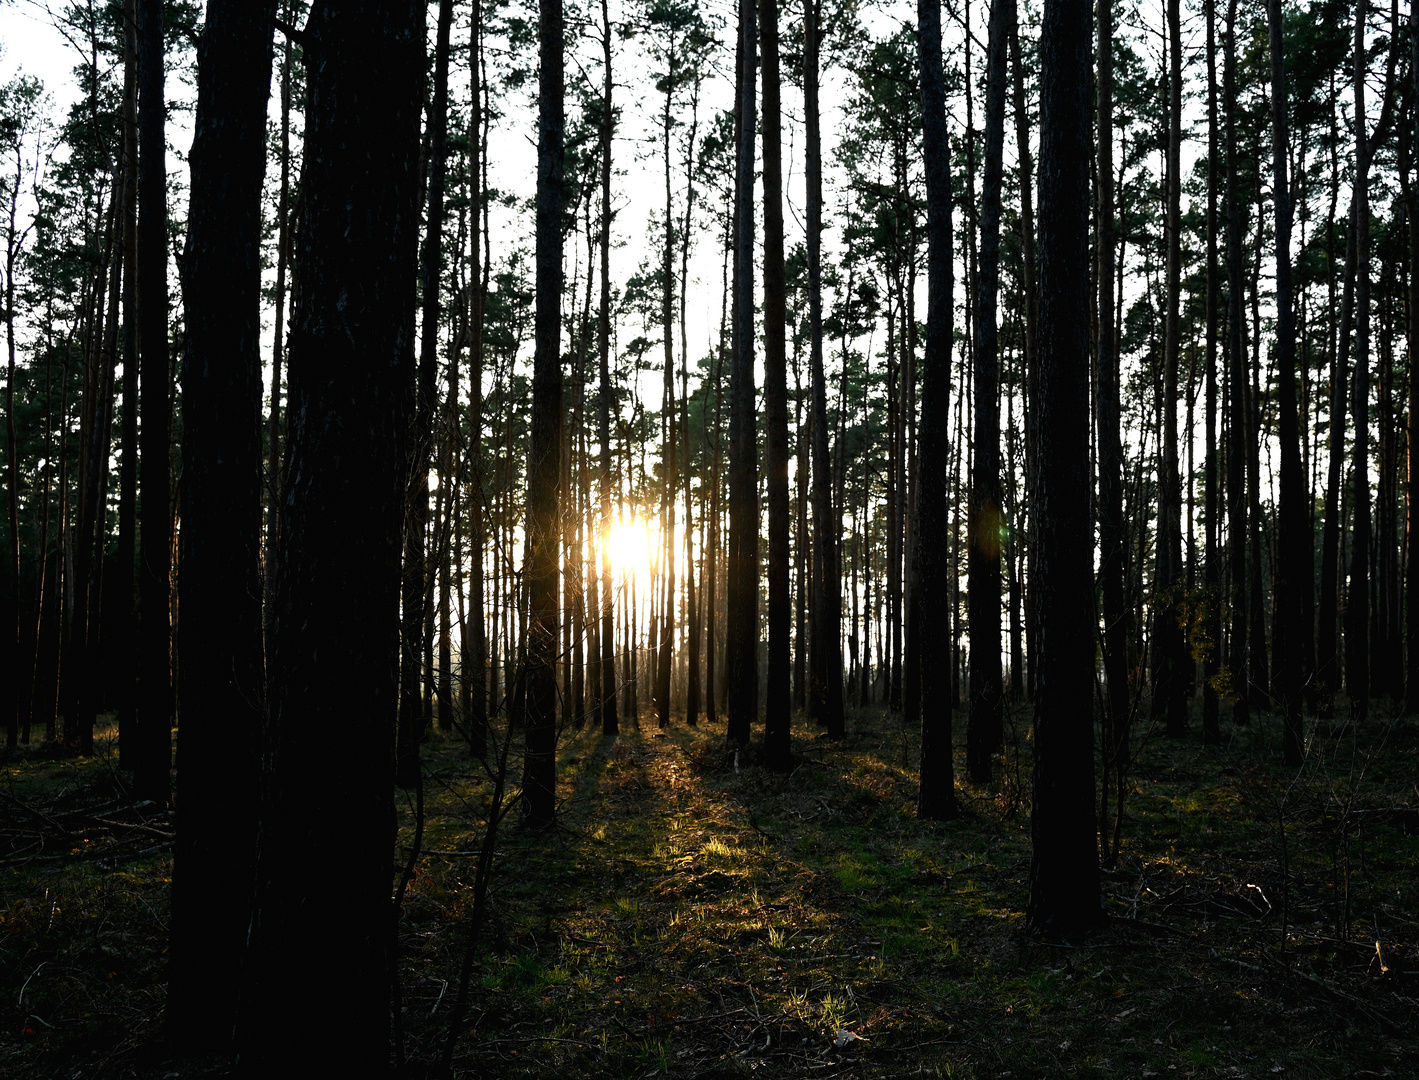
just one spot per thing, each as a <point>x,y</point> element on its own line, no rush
<point>631,544</point>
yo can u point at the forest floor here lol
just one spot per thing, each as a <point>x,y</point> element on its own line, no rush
<point>695,916</point>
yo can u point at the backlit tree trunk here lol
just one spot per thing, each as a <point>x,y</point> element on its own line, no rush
<point>322,904</point>
<point>220,682</point>
<point>1064,867</point>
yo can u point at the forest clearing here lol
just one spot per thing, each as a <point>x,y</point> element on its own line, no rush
<point>690,918</point>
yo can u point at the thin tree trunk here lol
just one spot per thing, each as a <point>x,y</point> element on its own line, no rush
<point>984,730</point>
<point>1357,606</point>
<point>414,672</point>
<point>1113,531</point>
<point>607,691</point>
<point>152,757</point>
<point>1212,598</point>
<point>777,701</point>
<point>1293,519</point>
<point>475,664</point>
<point>1169,688</point>
<point>1237,393</point>
<point>539,781</point>
<point>936,798</point>
<point>743,615</point>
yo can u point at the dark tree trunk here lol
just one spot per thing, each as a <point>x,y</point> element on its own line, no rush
<point>607,691</point>
<point>743,577</point>
<point>414,626</point>
<point>81,656</point>
<point>1064,869</point>
<point>777,702</point>
<point>936,799</point>
<point>1170,657</point>
<point>665,645</point>
<point>220,682</point>
<point>1237,393</point>
<point>539,776</point>
<point>125,617</point>
<point>1411,555</point>
<point>1113,532</point>
<point>983,730</point>
<point>152,753</point>
<point>1212,505</point>
<point>1293,532</point>
<point>1357,604</point>
<point>278,338</point>
<point>475,659</point>
<point>1031,306</point>
<point>826,674</point>
<point>322,904</point>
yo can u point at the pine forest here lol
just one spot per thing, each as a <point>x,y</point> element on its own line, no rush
<point>628,538</point>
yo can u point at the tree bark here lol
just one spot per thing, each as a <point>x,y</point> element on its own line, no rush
<point>1113,531</point>
<point>220,682</point>
<point>322,904</point>
<point>1170,681</point>
<point>983,730</point>
<point>743,576</point>
<point>1357,605</point>
<point>414,676</point>
<point>777,702</point>
<point>825,635</point>
<point>936,798</point>
<point>1293,519</point>
<point>607,692</point>
<point>539,779</point>
<point>1212,505</point>
<point>152,756</point>
<point>1237,393</point>
<point>1064,868</point>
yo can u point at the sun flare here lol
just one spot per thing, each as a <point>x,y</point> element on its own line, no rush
<point>632,544</point>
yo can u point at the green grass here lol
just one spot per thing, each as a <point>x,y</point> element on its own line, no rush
<point>694,918</point>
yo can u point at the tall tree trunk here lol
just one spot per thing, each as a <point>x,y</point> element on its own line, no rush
<point>936,798</point>
<point>607,691</point>
<point>1064,868</point>
<point>1113,531</point>
<point>1357,605</point>
<point>220,683</point>
<point>1170,681</point>
<point>475,662</point>
<point>82,659</point>
<point>1411,531</point>
<point>414,675</point>
<point>1212,504</point>
<point>125,617</point>
<point>777,701</point>
<point>692,616</point>
<point>1293,532</point>
<point>743,577</point>
<point>322,904</point>
<point>983,731</point>
<point>668,471</point>
<point>278,337</point>
<point>1027,243</point>
<point>539,779</point>
<point>152,757</point>
<point>826,674</point>
<point>1237,392</point>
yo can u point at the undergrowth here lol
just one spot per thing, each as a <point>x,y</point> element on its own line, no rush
<point>693,915</point>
